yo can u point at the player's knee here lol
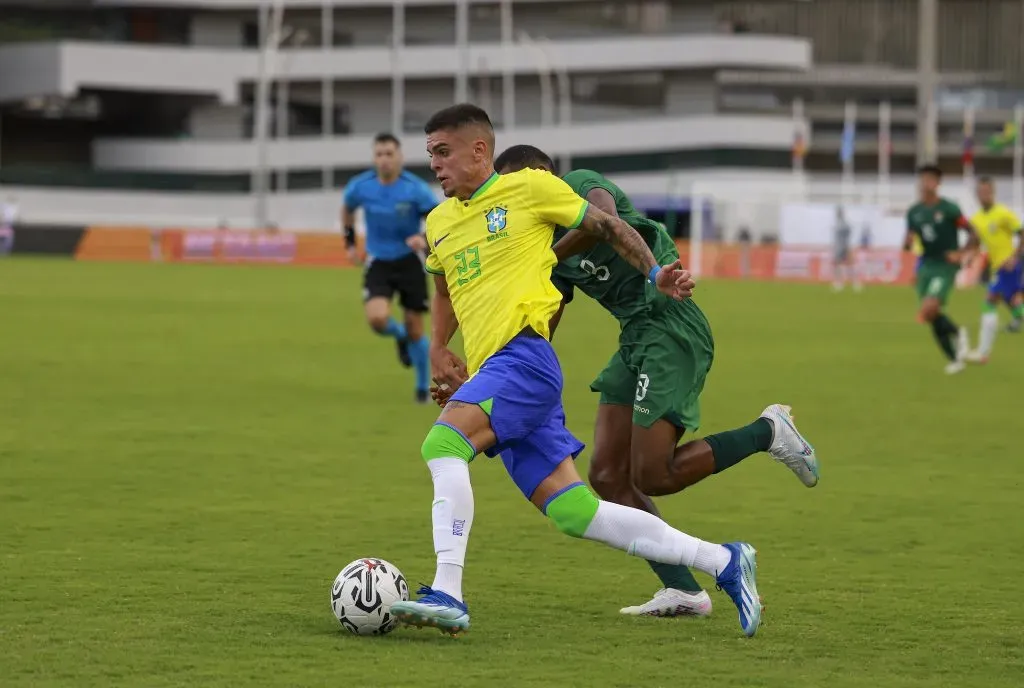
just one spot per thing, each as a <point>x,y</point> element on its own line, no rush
<point>650,472</point>
<point>572,510</point>
<point>606,478</point>
<point>445,442</point>
<point>378,323</point>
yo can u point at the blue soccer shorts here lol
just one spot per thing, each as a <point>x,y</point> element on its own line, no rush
<point>520,387</point>
<point>1006,283</point>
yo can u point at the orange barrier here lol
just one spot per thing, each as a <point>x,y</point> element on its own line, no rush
<point>212,246</point>
<point>719,261</point>
<point>795,263</point>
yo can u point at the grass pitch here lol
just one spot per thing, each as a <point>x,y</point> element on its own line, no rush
<point>189,454</point>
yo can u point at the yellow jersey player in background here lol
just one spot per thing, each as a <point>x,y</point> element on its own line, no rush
<point>996,226</point>
<point>491,259</point>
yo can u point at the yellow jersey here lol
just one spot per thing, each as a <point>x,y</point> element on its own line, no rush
<point>996,227</point>
<point>494,251</point>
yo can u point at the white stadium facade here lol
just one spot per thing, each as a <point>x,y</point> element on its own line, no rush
<point>242,113</point>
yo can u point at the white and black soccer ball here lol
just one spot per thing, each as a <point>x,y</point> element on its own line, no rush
<point>363,593</point>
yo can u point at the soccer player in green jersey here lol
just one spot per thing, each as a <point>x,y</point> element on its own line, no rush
<point>650,390</point>
<point>937,222</point>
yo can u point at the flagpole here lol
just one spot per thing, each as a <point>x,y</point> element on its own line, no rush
<point>1018,158</point>
<point>968,152</point>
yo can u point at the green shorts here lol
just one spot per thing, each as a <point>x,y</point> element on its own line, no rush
<point>935,280</point>
<point>661,366</point>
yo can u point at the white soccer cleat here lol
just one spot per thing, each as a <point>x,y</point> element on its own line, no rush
<point>955,367</point>
<point>789,447</point>
<point>671,602</point>
<point>976,356</point>
<point>963,345</point>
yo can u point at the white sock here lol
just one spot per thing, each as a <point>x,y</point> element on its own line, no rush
<point>987,336</point>
<point>452,515</point>
<point>648,537</point>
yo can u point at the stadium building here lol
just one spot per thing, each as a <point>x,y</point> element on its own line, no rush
<point>244,113</point>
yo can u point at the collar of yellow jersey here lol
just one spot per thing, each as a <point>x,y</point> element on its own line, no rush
<point>486,185</point>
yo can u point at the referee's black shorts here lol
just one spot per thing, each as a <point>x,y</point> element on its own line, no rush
<point>382,278</point>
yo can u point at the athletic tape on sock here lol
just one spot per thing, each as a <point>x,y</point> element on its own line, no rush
<point>572,509</point>
<point>445,441</point>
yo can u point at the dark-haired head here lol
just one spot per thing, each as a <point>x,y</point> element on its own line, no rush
<point>387,156</point>
<point>460,141</point>
<point>929,178</point>
<point>522,157</point>
<point>930,169</point>
<point>986,192</point>
<point>387,137</point>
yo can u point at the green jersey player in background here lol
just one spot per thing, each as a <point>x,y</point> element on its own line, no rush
<point>650,390</point>
<point>937,222</point>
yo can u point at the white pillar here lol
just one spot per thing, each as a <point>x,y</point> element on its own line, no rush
<point>508,79</point>
<point>1018,159</point>
<point>327,89</point>
<point>927,77</point>
<point>462,46</point>
<point>397,78</point>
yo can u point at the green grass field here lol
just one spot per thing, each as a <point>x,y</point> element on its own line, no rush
<point>189,455</point>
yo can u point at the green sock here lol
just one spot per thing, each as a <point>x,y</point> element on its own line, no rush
<point>1018,312</point>
<point>732,446</point>
<point>675,576</point>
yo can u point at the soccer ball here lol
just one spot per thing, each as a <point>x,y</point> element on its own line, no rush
<point>363,593</point>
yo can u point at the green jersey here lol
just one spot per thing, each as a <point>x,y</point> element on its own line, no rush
<point>600,272</point>
<point>938,227</point>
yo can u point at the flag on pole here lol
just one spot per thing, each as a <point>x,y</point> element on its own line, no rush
<point>846,149</point>
<point>799,145</point>
<point>967,154</point>
<point>1005,138</point>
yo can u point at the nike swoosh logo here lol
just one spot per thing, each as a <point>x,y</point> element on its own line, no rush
<point>442,239</point>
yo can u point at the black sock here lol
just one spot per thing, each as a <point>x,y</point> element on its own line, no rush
<point>945,338</point>
<point>947,325</point>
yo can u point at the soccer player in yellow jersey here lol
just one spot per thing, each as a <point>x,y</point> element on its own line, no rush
<point>491,259</point>
<point>996,226</point>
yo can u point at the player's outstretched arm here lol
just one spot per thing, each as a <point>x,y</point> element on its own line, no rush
<point>577,242</point>
<point>627,242</point>
<point>446,367</point>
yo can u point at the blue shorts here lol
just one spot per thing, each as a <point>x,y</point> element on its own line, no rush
<point>523,383</point>
<point>1006,283</point>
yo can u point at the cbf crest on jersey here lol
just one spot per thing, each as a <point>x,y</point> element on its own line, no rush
<point>496,219</point>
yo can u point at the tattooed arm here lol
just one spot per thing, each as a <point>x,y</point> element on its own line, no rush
<point>626,241</point>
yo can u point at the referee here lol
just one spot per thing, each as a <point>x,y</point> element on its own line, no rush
<point>394,203</point>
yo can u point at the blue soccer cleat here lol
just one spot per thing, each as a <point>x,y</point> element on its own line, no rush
<point>433,608</point>
<point>739,581</point>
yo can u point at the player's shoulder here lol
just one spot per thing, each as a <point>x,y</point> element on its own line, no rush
<point>914,209</point>
<point>950,203</point>
<point>414,179</point>
<point>442,210</point>
<point>361,180</point>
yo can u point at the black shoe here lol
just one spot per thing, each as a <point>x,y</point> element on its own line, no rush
<point>1014,327</point>
<point>403,352</point>
<point>422,396</point>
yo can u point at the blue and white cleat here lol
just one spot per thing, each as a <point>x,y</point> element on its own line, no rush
<point>789,447</point>
<point>739,581</point>
<point>433,608</point>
